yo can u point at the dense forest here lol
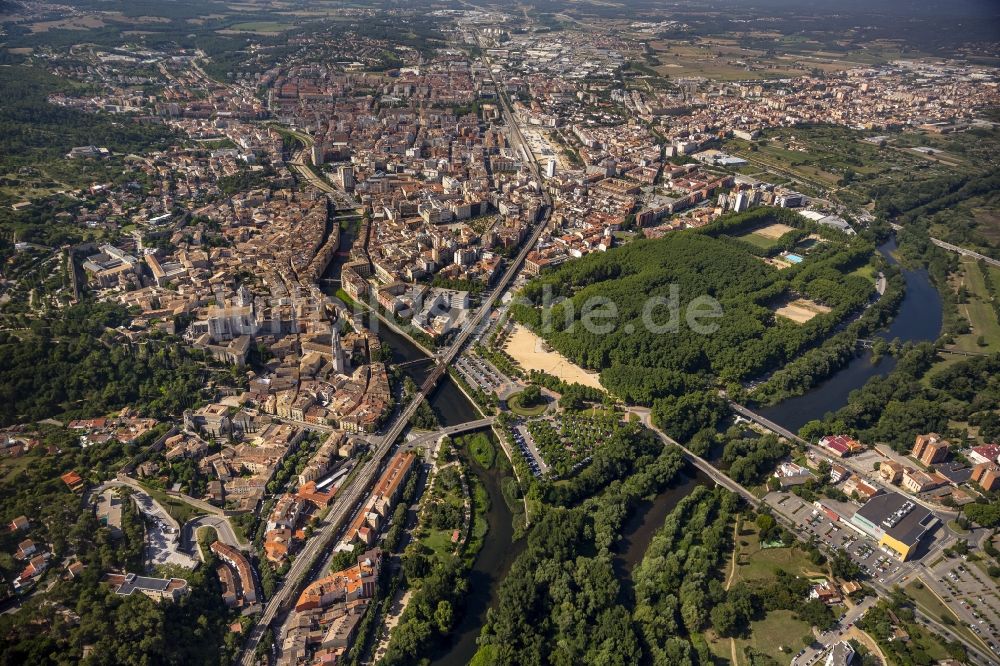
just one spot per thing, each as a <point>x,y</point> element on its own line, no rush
<point>641,365</point>
<point>679,580</point>
<point>73,364</point>
<point>680,587</point>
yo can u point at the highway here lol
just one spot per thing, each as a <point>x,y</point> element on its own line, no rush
<point>346,503</point>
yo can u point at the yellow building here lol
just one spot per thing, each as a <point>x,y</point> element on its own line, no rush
<point>896,522</point>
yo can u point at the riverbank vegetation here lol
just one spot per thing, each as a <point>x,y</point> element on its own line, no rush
<point>451,531</point>
<point>957,400</point>
<point>955,207</point>
<point>567,563</point>
<point>690,594</point>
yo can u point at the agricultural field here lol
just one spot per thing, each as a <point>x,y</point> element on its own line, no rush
<point>259,27</point>
<point>724,59</point>
<point>835,157</point>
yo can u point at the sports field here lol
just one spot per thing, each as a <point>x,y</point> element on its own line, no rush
<point>801,310</point>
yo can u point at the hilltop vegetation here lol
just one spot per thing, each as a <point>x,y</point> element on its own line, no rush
<point>74,364</point>
<point>36,135</point>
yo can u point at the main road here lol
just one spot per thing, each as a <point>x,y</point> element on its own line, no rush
<point>352,495</point>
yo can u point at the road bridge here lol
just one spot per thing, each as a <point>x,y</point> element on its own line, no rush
<point>868,344</point>
<point>767,423</point>
<point>944,515</point>
<point>423,439</point>
<point>964,251</point>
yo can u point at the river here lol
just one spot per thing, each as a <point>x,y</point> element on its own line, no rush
<point>492,563</point>
<point>348,234</point>
<point>499,548</point>
<point>919,319</point>
<point>646,519</point>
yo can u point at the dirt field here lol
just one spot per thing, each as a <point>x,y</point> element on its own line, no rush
<point>531,353</point>
<point>773,231</point>
<point>801,310</point>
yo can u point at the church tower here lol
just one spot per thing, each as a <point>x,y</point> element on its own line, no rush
<point>337,349</point>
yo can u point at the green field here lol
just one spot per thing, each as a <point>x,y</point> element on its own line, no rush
<point>11,467</point>
<point>778,635</point>
<point>867,271</point>
<point>978,309</point>
<point>752,562</point>
<point>759,240</point>
<point>780,629</point>
<point>261,26</point>
<point>514,402</point>
<point>439,541</point>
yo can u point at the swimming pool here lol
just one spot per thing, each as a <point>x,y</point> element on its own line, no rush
<point>794,258</point>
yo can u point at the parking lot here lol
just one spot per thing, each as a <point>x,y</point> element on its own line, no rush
<point>837,534</point>
<point>162,535</point>
<point>970,593</point>
<point>525,442</point>
<point>481,374</point>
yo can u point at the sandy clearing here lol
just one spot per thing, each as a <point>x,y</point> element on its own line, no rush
<point>801,310</point>
<point>773,231</point>
<point>532,353</point>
